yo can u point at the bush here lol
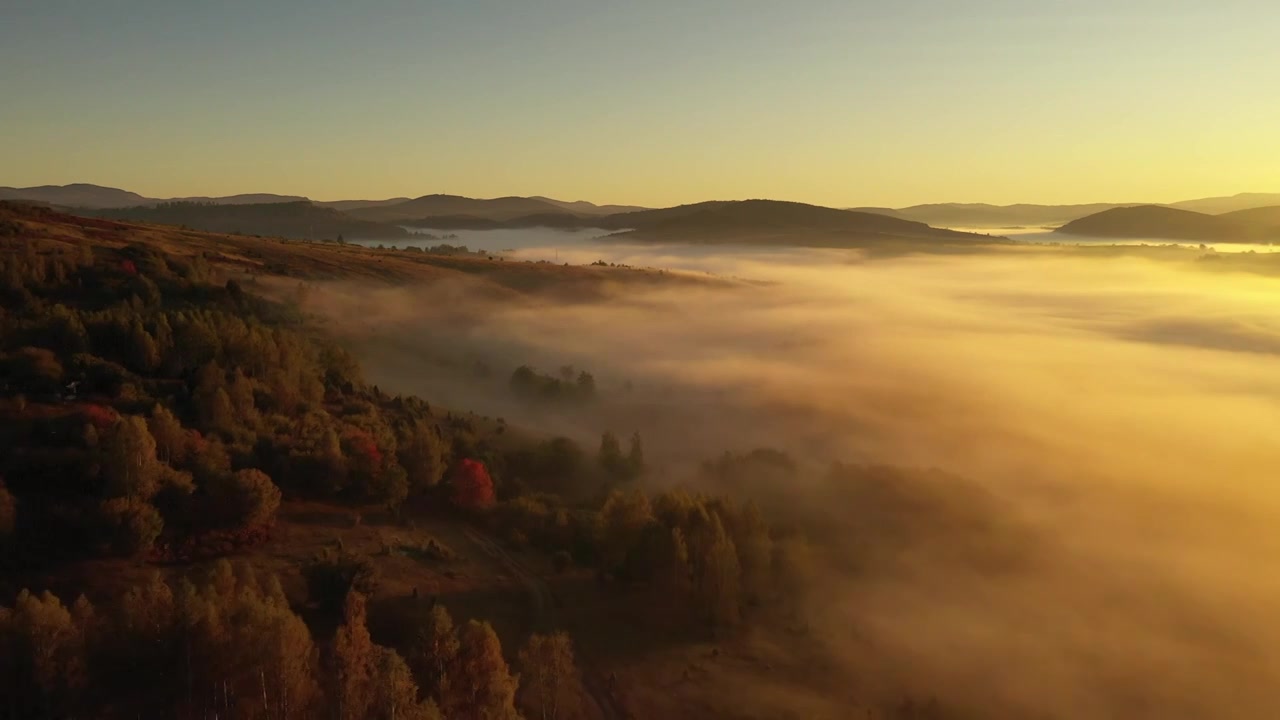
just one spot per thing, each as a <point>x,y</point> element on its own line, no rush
<point>131,526</point>
<point>332,575</point>
<point>246,499</point>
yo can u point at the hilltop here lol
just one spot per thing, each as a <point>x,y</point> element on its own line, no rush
<point>429,206</point>
<point>1157,222</point>
<point>984,215</point>
<point>1033,215</point>
<point>96,197</point>
<point>770,222</point>
<point>1229,204</point>
<point>81,195</point>
<point>298,220</point>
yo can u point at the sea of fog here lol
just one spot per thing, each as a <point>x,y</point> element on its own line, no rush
<point>587,245</point>
<point>1117,412</point>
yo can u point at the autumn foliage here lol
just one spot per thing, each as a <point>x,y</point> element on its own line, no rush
<point>472,486</point>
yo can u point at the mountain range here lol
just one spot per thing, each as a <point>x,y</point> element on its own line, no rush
<point>1244,217</point>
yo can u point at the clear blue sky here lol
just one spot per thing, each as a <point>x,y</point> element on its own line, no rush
<point>841,102</point>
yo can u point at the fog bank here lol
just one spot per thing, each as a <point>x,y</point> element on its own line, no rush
<point>1121,411</point>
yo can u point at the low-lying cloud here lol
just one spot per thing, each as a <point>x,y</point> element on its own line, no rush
<point>1124,410</point>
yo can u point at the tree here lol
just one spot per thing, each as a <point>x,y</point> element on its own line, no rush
<point>717,575</point>
<point>623,519</point>
<point>586,385</point>
<point>549,684</point>
<point>42,646</point>
<point>610,456</point>
<point>433,652</point>
<point>391,487</point>
<point>395,693</point>
<point>353,662</point>
<point>240,393</point>
<point>422,455</point>
<point>8,514</point>
<point>218,411</point>
<point>247,499</point>
<point>129,465</point>
<point>481,686</point>
<point>170,437</point>
<point>755,551</point>
<point>472,486</point>
<point>635,456</point>
<point>144,355</point>
<point>131,524</point>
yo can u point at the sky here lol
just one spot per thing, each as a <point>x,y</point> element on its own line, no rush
<point>835,102</point>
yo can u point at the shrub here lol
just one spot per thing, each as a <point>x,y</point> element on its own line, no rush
<point>131,526</point>
<point>332,575</point>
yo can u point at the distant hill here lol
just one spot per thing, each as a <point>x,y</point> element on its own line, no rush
<point>994,216</point>
<point>96,197</point>
<point>1165,223</point>
<point>302,220</point>
<point>771,222</point>
<point>80,195</point>
<point>1233,203</point>
<point>247,199</point>
<point>582,207</point>
<point>345,205</point>
<point>505,208</point>
<point>1263,219</point>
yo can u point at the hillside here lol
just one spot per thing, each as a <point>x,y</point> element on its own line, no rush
<point>428,206</point>
<point>769,222</point>
<point>582,207</point>
<point>993,216</point>
<point>1158,222</point>
<point>345,205</point>
<point>244,199</point>
<point>78,195</point>
<point>1228,204</point>
<point>301,220</point>
<point>270,258</point>
<point>1264,219</point>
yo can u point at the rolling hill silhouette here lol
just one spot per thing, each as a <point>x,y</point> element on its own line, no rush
<point>82,195</point>
<point>776,222</point>
<point>302,220</point>
<point>427,206</point>
<point>1158,222</point>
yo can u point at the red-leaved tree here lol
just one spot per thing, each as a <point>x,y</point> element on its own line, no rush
<point>472,486</point>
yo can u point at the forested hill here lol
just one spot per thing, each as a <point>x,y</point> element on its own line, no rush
<point>783,223</point>
<point>301,220</point>
<point>159,416</point>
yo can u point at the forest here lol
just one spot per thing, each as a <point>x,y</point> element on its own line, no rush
<point>160,411</point>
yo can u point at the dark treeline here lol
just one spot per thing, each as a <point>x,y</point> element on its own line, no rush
<point>227,644</point>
